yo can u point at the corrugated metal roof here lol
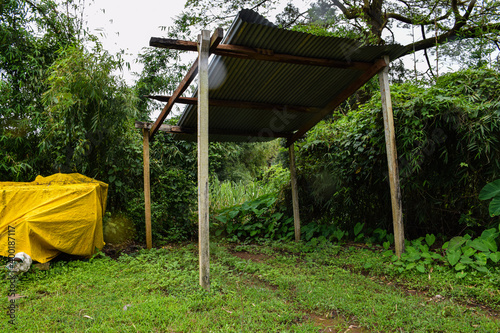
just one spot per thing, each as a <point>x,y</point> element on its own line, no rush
<point>257,81</point>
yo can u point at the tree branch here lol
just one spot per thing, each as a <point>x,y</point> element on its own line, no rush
<point>42,11</point>
<point>425,52</point>
<point>408,20</point>
<point>350,13</point>
<point>460,20</point>
<point>451,36</point>
<point>294,20</point>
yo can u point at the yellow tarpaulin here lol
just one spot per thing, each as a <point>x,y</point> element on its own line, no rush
<point>59,213</point>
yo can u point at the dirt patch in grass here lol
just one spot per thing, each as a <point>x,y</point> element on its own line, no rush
<point>115,250</point>
<point>332,323</point>
<point>259,257</point>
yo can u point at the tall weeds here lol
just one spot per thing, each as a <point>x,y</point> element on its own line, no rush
<point>227,193</point>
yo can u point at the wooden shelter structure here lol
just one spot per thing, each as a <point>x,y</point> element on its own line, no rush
<point>262,83</point>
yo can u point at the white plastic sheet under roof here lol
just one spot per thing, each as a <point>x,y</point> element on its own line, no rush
<point>247,80</point>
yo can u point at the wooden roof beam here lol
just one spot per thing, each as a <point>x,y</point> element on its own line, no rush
<point>192,131</point>
<point>351,89</point>
<point>184,84</point>
<point>240,105</point>
<point>258,54</point>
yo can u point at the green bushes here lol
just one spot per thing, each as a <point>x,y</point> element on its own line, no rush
<point>448,146</point>
<point>262,218</point>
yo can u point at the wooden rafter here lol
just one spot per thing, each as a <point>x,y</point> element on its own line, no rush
<point>245,52</point>
<point>351,89</point>
<point>240,105</point>
<point>184,84</point>
<point>171,129</point>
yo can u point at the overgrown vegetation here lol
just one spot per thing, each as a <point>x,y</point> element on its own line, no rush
<point>448,146</point>
<point>64,110</point>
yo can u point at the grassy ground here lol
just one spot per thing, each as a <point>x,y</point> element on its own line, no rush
<point>274,288</point>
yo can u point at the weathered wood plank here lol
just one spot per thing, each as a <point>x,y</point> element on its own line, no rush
<point>203,190</point>
<point>351,89</point>
<point>392,160</point>
<point>171,129</point>
<point>240,105</point>
<point>259,54</point>
<point>295,194</point>
<point>147,188</point>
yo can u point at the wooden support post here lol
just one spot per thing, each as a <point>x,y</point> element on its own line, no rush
<point>147,188</point>
<point>295,195</point>
<point>392,160</point>
<point>203,194</point>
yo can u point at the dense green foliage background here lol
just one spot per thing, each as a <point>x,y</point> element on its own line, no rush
<point>63,109</point>
<point>448,145</point>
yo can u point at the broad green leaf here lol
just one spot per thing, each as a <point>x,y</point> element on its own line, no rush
<point>232,214</point>
<point>466,260</point>
<point>482,269</point>
<point>436,256</point>
<point>481,258</point>
<point>387,253</point>
<point>410,266</point>
<point>495,206</point>
<point>480,245</point>
<point>490,190</point>
<point>489,233</point>
<point>430,239</point>
<point>460,267</point>
<point>461,274</point>
<point>495,257</point>
<point>491,243</point>
<point>358,227</point>
<point>469,252</point>
<point>455,243</point>
<point>453,256</point>
<point>421,268</point>
<point>222,218</point>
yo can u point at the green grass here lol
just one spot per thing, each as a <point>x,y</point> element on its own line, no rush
<point>285,288</point>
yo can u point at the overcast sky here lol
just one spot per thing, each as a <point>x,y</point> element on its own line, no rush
<point>128,25</point>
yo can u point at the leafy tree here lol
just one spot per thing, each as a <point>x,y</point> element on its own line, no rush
<point>30,35</point>
<point>89,120</point>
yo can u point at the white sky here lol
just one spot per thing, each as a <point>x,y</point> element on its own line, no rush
<point>128,25</point>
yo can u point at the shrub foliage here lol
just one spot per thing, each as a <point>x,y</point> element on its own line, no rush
<point>448,147</point>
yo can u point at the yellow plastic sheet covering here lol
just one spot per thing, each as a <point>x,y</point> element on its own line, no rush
<point>59,213</point>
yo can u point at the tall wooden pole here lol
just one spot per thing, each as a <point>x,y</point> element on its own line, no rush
<point>392,160</point>
<point>203,195</point>
<point>295,195</point>
<point>147,188</point>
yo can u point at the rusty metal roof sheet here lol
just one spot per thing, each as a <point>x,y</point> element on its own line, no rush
<point>247,80</point>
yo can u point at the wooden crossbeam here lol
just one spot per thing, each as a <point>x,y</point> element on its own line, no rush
<point>240,105</point>
<point>184,84</point>
<point>171,129</point>
<point>351,89</point>
<point>258,54</point>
